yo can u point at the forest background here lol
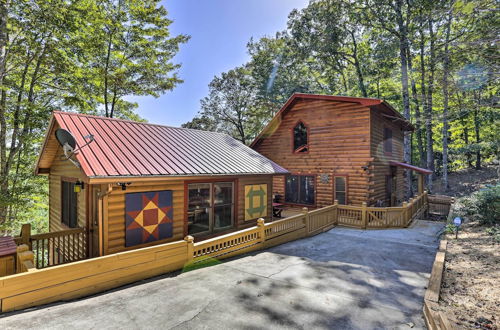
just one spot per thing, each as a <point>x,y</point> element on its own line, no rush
<point>437,62</point>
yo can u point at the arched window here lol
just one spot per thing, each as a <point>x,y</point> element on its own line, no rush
<point>300,138</point>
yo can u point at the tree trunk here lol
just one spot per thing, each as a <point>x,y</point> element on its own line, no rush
<point>476,128</point>
<point>357,65</point>
<point>418,115</point>
<point>428,112</point>
<point>446,67</point>
<point>403,51</point>
<point>4,39</point>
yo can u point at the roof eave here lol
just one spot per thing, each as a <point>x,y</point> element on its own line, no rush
<point>140,178</point>
<point>45,141</point>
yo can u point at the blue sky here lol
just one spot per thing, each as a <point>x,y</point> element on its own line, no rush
<point>219,30</point>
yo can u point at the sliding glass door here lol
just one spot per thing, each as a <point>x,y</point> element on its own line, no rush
<point>210,207</point>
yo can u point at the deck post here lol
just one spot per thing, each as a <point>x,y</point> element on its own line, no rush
<point>405,212</point>
<point>364,217</point>
<point>426,203</point>
<point>336,212</point>
<point>305,212</point>
<point>262,232</point>
<point>420,183</point>
<point>26,235</point>
<point>190,247</point>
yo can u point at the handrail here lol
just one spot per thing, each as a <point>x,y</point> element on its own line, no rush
<point>58,233</point>
<point>54,248</point>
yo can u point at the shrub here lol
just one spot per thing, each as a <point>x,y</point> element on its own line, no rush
<point>483,205</point>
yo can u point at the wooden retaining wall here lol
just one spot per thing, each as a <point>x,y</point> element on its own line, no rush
<point>435,319</point>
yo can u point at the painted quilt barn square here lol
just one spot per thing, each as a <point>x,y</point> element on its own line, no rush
<point>148,217</point>
<point>255,201</point>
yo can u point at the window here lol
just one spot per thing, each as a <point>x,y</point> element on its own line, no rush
<point>69,211</point>
<point>300,138</point>
<point>299,189</point>
<point>387,140</point>
<point>210,207</point>
<point>340,189</point>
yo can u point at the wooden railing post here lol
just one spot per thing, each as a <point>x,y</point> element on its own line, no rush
<point>26,235</point>
<point>335,212</point>
<point>24,259</point>
<point>262,232</point>
<point>190,247</point>
<point>305,212</point>
<point>364,215</point>
<point>405,213</point>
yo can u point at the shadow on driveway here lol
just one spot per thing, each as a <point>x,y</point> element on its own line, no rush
<point>342,279</point>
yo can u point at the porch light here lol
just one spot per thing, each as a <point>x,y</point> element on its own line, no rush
<point>78,186</point>
<point>124,185</point>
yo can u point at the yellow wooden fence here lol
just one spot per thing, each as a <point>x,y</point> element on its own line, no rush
<point>62,282</point>
<point>365,217</point>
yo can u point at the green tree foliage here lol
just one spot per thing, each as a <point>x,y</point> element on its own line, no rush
<point>83,56</point>
<point>435,61</point>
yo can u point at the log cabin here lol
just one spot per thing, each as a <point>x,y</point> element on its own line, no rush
<point>341,148</point>
<point>133,184</point>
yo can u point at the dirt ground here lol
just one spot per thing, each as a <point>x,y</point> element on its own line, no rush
<point>464,182</point>
<point>470,293</point>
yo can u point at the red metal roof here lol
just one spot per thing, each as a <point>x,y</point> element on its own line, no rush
<point>411,167</point>
<point>123,148</point>
<point>366,101</point>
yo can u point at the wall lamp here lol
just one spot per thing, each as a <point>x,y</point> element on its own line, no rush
<point>78,186</point>
<point>124,185</point>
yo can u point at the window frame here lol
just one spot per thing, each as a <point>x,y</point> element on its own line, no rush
<point>211,231</point>
<point>315,183</point>
<point>72,182</point>
<point>307,145</point>
<point>346,180</point>
<point>391,139</point>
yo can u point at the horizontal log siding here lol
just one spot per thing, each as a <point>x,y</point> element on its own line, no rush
<point>116,207</point>
<point>59,169</point>
<point>381,166</point>
<point>338,145</point>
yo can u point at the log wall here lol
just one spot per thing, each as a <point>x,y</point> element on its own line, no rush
<point>339,144</point>
<point>114,217</point>
<point>381,167</point>
<point>60,169</point>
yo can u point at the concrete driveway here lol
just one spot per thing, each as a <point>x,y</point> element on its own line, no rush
<point>342,279</point>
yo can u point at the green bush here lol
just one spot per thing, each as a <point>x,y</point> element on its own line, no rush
<point>483,205</point>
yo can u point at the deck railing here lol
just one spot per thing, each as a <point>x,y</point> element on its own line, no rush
<point>382,217</point>
<point>55,248</point>
<point>308,223</point>
<point>38,286</point>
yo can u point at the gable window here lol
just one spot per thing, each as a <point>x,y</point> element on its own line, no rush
<point>69,210</point>
<point>340,192</point>
<point>300,138</point>
<point>387,140</point>
<point>210,207</point>
<point>299,189</point>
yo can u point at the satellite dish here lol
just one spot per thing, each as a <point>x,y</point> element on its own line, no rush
<point>68,143</point>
